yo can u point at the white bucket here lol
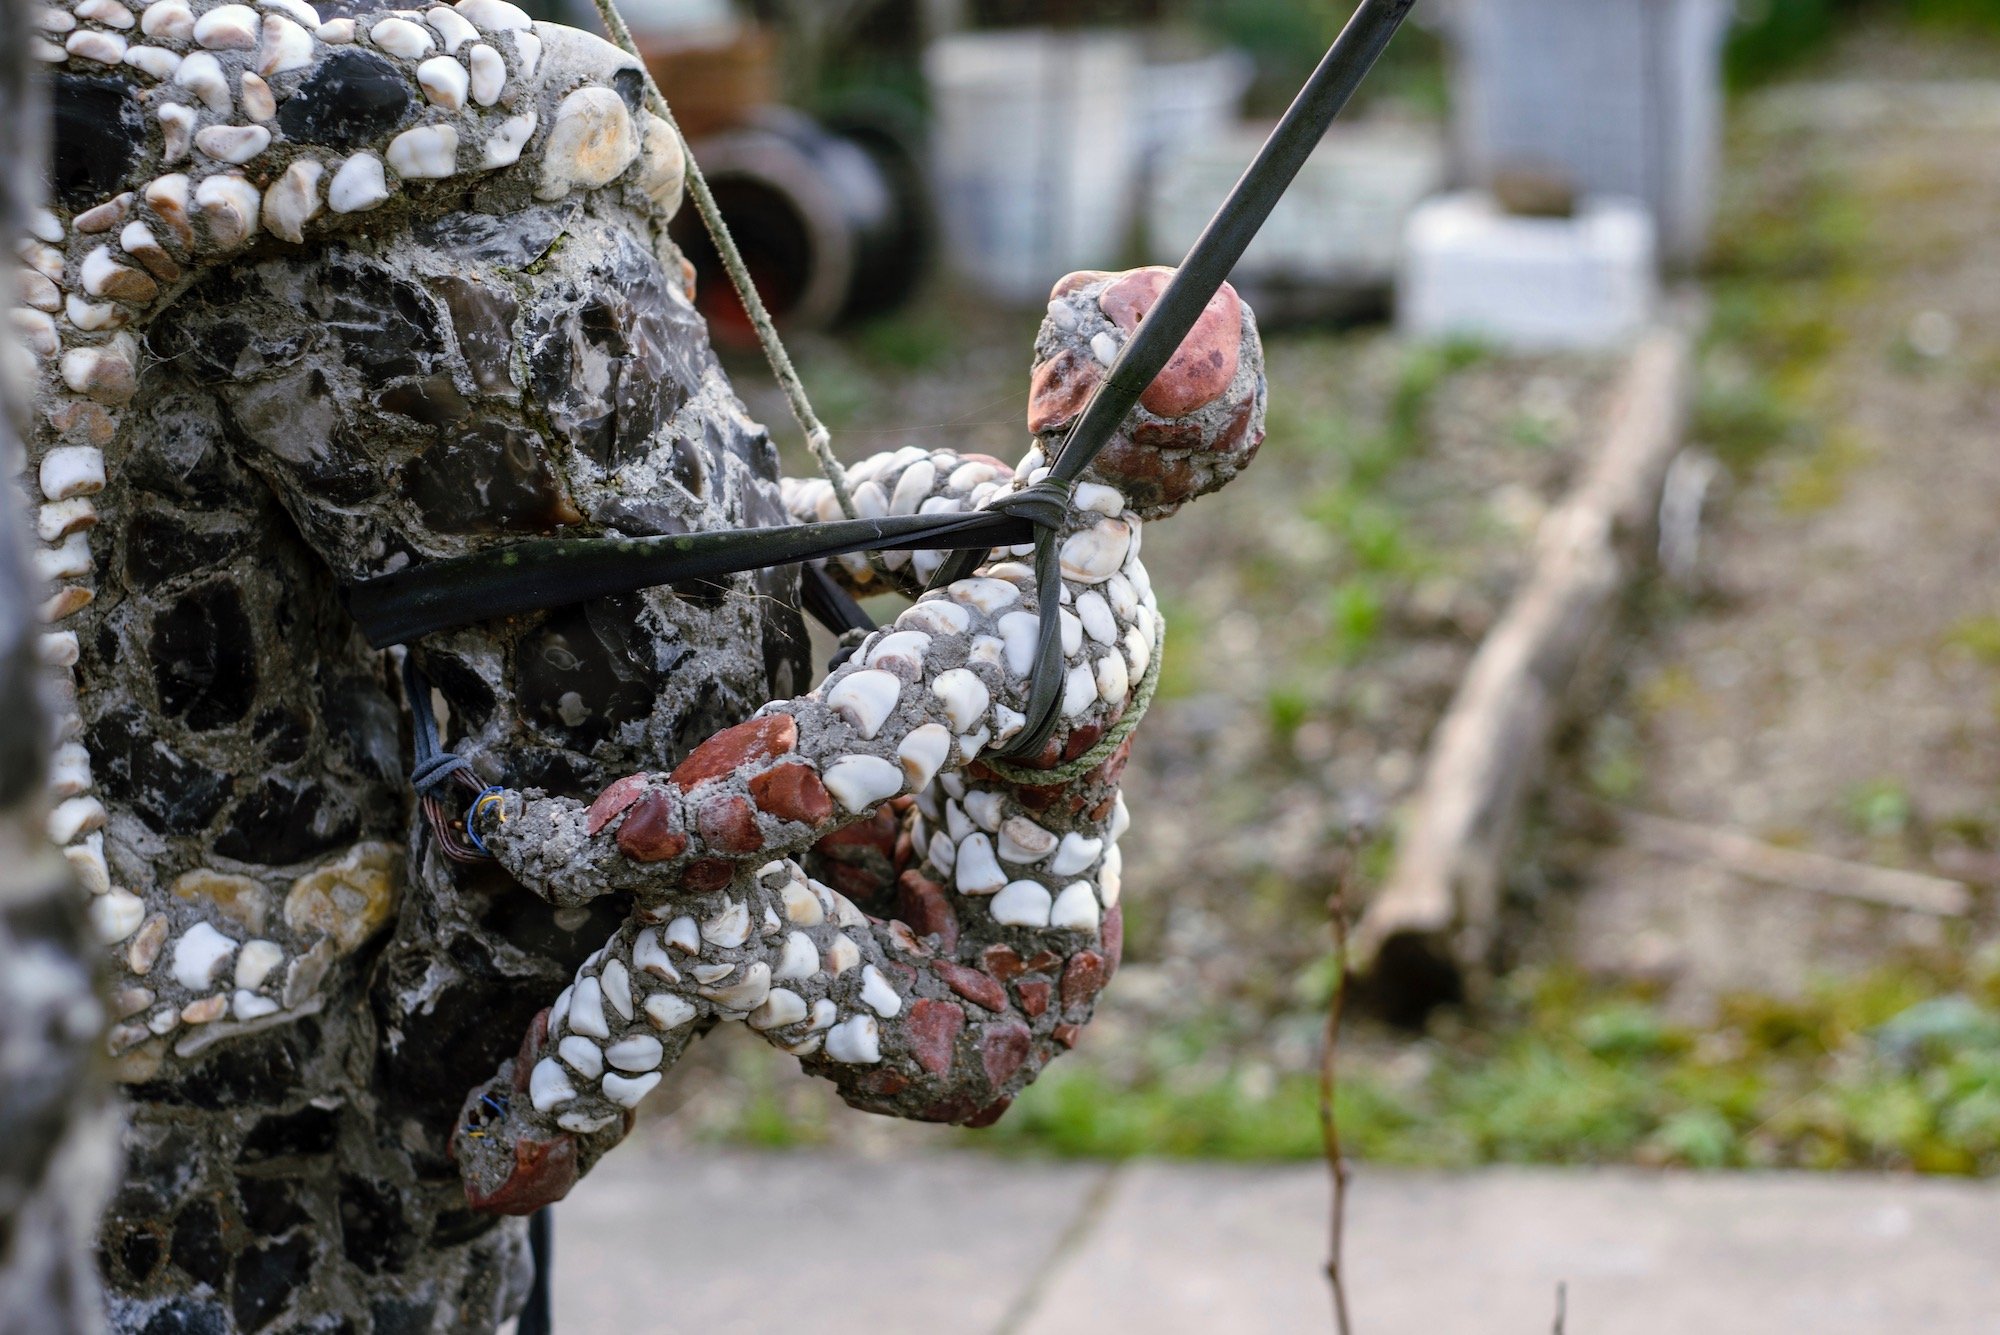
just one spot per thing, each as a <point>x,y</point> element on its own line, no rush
<point>1034,153</point>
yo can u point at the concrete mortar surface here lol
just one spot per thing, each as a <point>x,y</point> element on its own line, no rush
<point>728,1242</point>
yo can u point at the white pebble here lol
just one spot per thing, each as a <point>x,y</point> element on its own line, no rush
<point>1095,613</point>
<point>586,1009</point>
<point>86,859</point>
<point>729,928</point>
<point>746,994</point>
<point>902,649</point>
<point>626,1091</point>
<point>298,9</point>
<point>259,103</point>
<point>154,60</point>
<point>591,142</point>
<point>636,1053</point>
<point>1095,554</point>
<point>985,595</point>
<point>227,28</point>
<point>52,19</point>
<point>616,984</point>
<point>1104,347</point>
<point>75,816</point>
<point>861,783</point>
<point>548,1086</point>
<point>504,144</point>
<point>1061,313</point>
<point>1079,690</point>
<point>1022,841</point>
<point>249,1006</point>
<point>1022,904</point>
<point>451,26</point>
<point>857,1041</point>
<point>59,649</point>
<point>877,995</point>
<point>802,906</point>
<point>781,1008</point>
<point>913,487</point>
<point>800,958</point>
<point>841,955</point>
<point>172,20</point>
<point>985,806</point>
<point>1113,683</point>
<point>865,699</point>
<point>444,82</point>
<point>1020,637</point>
<point>937,614</point>
<point>977,870</point>
<point>336,32</point>
<point>255,961</point>
<point>106,48</point>
<point>1096,496</point>
<point>650,956</point>
<point>429,152</point>
<point>400,37</point>
<point>582,1055</point>
<point>870,501</point>
<point>495,15</point>
<point>527,52</point>
<point>1075,854</point>
<point>664,1011</point>
<point>176,130</point>
<point>293,200</point>
<point>963,695</point>
<point>1075,908</point>
<point>230,205</point>
<point>116,916</point>
<point>359,185</point>
<point>232,143</point>
<point>683,935</point>
<point>71,470</point>
<point>93,315</point>
<point>1138,653</point>
<point>66,561</point>
<point>923,752</point>
<point>199,955</point>
<point>108,12</point>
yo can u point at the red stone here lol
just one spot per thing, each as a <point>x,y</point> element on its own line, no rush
<point>1040,797</point>
<point>858,881</point>
<point>988,1115</point>
<point>706,874</point>
<point>1067,1034</point>
<point>1081,740</point>
<point>1070,282</point>
<point>1059,388</point>
<point>1034,995</point>
<point>543,1173</point>
<point>1236,433</point>
<point>753,739</point>
<point>648,834</point>
<point>882,1083</point>
<point>1003,1047</point>
<point>933,1028</point>
<point>973,985</point>
<point>1043,961</point>
<point>922,904</point>
<point>1149,479</point>
<point>1084,977</point>
<point>729,825</point>
<point>1204,364</point>
<point>1003,962</point>
<point>1112,936</point>
<point>1167,435</point>
<point>613,800</point>
<point>1102,811</point>
<point>792,792</point>
<point>531,1049</point>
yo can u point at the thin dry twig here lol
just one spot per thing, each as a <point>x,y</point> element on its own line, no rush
<point>1329,1055</point>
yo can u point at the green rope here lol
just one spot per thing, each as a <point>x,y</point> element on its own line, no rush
<point>817,436</point>
<point>1111,741</point>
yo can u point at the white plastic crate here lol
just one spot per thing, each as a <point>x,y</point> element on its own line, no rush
<point>1528,284</point>
<point>1623,97</point>
<point>1339,225</point>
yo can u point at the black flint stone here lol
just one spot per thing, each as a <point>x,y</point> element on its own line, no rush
<point>99,133</point>
<point>352,99</point>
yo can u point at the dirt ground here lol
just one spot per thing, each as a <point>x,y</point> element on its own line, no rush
<point>1829,683</point>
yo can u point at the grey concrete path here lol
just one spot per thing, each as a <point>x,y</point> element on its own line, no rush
<point>738,1244</point>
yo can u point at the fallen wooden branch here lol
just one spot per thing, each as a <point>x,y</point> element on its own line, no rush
<point>1433,923</point>
<point>1739,853</point>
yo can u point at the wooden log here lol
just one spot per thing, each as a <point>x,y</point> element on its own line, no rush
<point>1432,925</point>
<point>1751,858</point>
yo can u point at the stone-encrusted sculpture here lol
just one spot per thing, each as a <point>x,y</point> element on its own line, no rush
<point>325,294</point>
<point>946,971</point>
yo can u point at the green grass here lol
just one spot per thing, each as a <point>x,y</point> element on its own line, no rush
<point>1897,1070</point>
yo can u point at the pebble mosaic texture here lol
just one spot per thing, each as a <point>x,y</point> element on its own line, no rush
<point>322,294</point>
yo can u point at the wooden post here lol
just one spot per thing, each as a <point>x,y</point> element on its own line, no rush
<point>1433,923</point>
